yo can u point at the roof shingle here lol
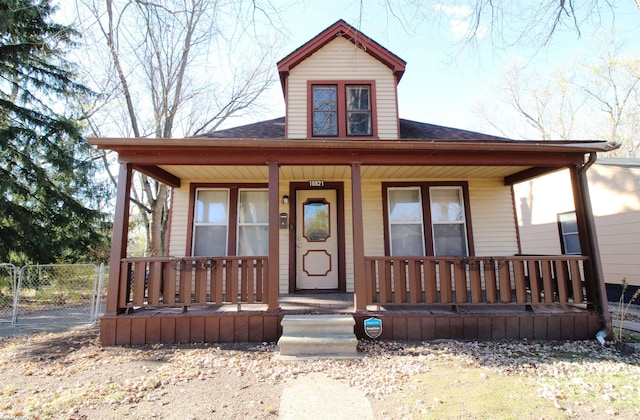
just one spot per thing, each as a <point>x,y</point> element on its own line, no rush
<point>409,130</point>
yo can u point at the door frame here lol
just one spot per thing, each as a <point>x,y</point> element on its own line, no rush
<point>294,187</point>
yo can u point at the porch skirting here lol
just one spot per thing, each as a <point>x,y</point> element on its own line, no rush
<point>406,323</point>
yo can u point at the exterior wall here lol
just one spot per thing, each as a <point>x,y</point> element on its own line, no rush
<point>179,220</point>
<point>491,213</point>
<point>341,60</point>
<point>615,199</point>
<point>493,219</point>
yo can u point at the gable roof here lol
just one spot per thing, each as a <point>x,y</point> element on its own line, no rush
<point>409,130</point>
<point>343,29</point>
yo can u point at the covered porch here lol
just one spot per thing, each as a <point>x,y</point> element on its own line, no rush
<point>239,298</point>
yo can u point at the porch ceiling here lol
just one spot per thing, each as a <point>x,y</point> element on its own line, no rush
<point>333,172</point>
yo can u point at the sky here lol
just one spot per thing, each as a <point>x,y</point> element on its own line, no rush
<point>444,81</point>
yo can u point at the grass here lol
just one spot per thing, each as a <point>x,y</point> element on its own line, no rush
<point>622,310</point>
<point>454,392</point>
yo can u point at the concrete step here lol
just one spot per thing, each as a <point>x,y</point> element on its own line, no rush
<point>318,335</point>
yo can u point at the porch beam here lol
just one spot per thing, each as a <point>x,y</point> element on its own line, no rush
<point>528,174</point>
<point>119,238</point>
<point>273,279</point>
<point>594,276</point>
<point>159,174</point>
<point>359,278</point>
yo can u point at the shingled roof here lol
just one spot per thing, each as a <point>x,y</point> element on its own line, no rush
<point>409,130</point>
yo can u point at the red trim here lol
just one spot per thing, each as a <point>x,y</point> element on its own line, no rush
<point>341,87</point>
<point>341,28</point>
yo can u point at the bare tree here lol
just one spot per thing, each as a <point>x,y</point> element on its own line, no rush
<point>600,100</point>
<point>614,88</point>
<point>165,70</point>
<point>548,105</point>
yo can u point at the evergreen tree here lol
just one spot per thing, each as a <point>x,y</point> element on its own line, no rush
<point>48,211</point>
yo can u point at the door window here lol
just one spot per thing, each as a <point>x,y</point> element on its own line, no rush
<point>316,220</point>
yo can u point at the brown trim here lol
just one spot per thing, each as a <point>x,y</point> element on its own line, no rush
<point>169,221</point>
<point>159,174</point>
<point>232,234</point>
<point>273,270</point>
<point>360,295</point>
<point>515,219</point>
<point>424,188</point>
<point>294,187</point>
<point>341,151</point>
<point>341,92</point>
<point>528,174</point>
<point>304,268</point>
<point>120,234</point>
<point>233,210</point>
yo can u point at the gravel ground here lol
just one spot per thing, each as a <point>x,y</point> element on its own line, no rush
<point>70,376</point>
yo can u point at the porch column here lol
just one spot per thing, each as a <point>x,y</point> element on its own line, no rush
<point>594,277</point>
<point>360,285</point>
<point>119,238</point>
<point>273,272</point>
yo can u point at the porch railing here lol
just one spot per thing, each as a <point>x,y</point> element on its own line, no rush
<point>475,280</point>
<point>186,281</point>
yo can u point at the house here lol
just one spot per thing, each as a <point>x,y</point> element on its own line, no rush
<point>546,218</point>
<point>411,223</point>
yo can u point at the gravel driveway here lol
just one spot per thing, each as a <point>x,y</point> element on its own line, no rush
<point>70,376</point>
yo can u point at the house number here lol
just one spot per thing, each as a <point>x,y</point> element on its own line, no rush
<point>316,183</point>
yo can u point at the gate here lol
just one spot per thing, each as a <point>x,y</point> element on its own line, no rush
<point>58,294</point>
<point>8,278</point>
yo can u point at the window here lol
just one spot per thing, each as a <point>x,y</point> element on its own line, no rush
<point>448,221</point>
<point>325,111</point>
<point>230,220</point>
<point>568,227</point>
<point>341,109</point>
<point>358,111</point>
<point>406,228</point>
<point>253,226</point>
<point>427,219</point>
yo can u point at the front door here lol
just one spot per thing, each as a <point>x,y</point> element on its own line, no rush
<point>316,239</point>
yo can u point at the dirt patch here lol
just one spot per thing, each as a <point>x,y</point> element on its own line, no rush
<point>70,376</point>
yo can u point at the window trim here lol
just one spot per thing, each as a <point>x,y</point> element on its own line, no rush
<point>426,212</point>
<point>233,211</point>
<point>341,89</point>
<point>562,233</point>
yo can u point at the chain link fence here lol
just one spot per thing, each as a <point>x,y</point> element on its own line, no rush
<point>8,284</point>
<point>58,294</point>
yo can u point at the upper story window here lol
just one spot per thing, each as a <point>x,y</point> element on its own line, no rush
<point>341,109</point>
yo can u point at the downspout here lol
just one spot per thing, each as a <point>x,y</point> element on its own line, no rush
<point>594,251</point>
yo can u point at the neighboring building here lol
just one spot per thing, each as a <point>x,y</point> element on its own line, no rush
<point>415,222</point>
<point>546,218</point>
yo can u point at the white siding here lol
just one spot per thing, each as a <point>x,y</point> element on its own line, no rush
<point>179,219</point>
<point>341,60</point>
<point>492,217</point>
